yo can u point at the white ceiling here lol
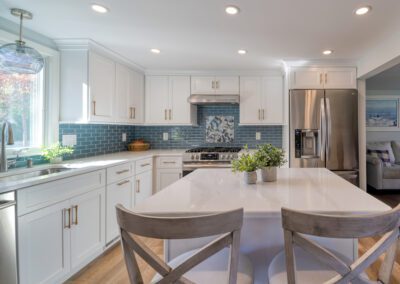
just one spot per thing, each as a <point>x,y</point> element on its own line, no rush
<point>199,35</point>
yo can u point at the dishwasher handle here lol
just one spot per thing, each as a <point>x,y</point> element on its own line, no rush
<point>6,203</point>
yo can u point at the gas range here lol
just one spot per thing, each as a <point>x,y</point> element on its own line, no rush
<point>209,157</point>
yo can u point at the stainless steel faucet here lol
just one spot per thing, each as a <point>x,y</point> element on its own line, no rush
<point>10,141</point>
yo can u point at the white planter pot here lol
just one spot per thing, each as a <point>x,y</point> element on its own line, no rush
<point>250,177</point>
<point>57,160</point>
<point>269,174</point>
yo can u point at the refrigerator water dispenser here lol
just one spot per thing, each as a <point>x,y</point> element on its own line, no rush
<point>307,143</point>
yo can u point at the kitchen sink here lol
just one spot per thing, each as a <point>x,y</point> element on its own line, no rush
<point>33,174</point>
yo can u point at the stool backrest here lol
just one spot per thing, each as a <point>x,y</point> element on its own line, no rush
<point>296,223</point>
<point>227,224</point>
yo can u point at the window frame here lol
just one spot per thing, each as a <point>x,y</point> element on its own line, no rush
<point>51,95</point>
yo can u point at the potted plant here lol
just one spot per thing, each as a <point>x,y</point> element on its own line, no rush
<point>269,158</point>
<point>246,163</point>
<point>54,153</point>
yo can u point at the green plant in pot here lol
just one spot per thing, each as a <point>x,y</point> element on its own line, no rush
<point>246,163</point>
<point>269,158</point>
<point>54,153</point>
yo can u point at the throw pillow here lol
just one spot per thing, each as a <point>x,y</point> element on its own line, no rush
<point>383,155</point>
<point>382,146</point>
<point>396,150</point>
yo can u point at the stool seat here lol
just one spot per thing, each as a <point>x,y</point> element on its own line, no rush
<point>308,269</point>
<point>213,270</point>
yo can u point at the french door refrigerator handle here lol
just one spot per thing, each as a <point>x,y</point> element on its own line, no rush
<point>322,136</point>
<point>329,127</point>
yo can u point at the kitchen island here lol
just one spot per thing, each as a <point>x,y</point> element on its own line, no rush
<point>215,190</point>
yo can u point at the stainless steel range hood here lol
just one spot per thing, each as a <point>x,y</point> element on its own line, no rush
<point>213,99</point>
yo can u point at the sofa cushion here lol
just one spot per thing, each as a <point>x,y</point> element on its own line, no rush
<point>383,155</point>
<point>382,146</point>
<point>396,150</point>
<point>391,173</point>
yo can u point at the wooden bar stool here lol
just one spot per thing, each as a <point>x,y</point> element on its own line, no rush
<point>213,263</point>
<point>312,263</point>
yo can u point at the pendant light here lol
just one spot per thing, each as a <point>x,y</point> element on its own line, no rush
<point>17,57</point>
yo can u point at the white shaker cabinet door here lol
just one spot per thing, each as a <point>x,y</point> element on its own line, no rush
<point>203,85</point>
<point>272,100</point>
<point>157,99</point>
<point>180,109</point>
<point>136,98</point>
<point>44,244</point>
<point>101,88</point>
<point>340,78</point>
<point>226,85</point>
<point>166,177</point>
<point>143,186</point>
<point>123,92</point>
<point>307,78</point>
<point>117,193</point>
<point>87,230</point>
<point>250,100</point>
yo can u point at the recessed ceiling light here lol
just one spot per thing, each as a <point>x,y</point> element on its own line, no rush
<point>232,10</point>
<point>155,50</point>
<point>327,52</point>
<point>242,51</point>
<point>362,10</point>
<point>99,9</point>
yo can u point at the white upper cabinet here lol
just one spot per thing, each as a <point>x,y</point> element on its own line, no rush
<point>166,100</point>
<point>101,88</point>
<point>323,78</point>
<point>96,87</point>
<point>220,85</point>
<point>129,95</point>
<point>261,100</point>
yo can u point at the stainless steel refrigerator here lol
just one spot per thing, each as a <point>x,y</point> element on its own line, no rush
<point>324,131</point>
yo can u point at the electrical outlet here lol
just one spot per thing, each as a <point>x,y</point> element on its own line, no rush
<point>165,136</point>
<point>123,137</point>
<point>258,135</point>
<point>69,140</point>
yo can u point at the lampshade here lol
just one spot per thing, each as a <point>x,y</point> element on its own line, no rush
<point>18,58</point>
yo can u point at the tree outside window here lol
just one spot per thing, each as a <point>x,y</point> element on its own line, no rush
<point>22,104</point>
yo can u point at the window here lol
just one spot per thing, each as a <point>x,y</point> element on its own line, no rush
<point>22,103</point>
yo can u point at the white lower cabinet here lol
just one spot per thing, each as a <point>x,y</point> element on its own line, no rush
<point>44,244</point>
<point>87,227</point>
<point>117,193</point>
<point>143,186</point>
<point>166,177</point>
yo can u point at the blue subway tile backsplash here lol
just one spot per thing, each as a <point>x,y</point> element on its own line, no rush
<point>98,139</point>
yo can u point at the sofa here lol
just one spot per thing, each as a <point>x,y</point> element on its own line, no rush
<point>381,173</point>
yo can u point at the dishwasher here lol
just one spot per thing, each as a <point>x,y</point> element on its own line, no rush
<point>8,243</point>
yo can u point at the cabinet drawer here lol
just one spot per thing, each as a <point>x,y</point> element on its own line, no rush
<point>119,172</point>
<point>42,195</point>
<point>143,165</point>
<point>174,162</point>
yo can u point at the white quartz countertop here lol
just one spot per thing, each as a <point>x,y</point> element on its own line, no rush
<point>80,166</point>
<point>215,190</point>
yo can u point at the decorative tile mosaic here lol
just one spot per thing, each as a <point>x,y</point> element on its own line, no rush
<point>220,129</point>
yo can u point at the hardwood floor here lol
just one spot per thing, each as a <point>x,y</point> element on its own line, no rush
<point>110,267</point>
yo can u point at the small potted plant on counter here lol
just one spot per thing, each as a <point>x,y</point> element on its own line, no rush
<point>269,158</point>
<point>246,163</point>
<point>54,153</point>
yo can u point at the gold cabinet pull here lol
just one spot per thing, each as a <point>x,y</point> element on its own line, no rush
<point>138,186</point>
<point>134,113</point>
<point>75,221</point>
<point>320,79</point>
<point>144,165</point>
<point>94,107</point>
<point>67,225</point>
<point>123,182</point>
<point>326,78</point>
<point>169,162</point>
<point>217,84</point>
<point>170,114</point>
<point>213,84</point>
<point>130,112</point>
<point>121,172</point>
<point>259,114</point>
<point>165,114</point>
